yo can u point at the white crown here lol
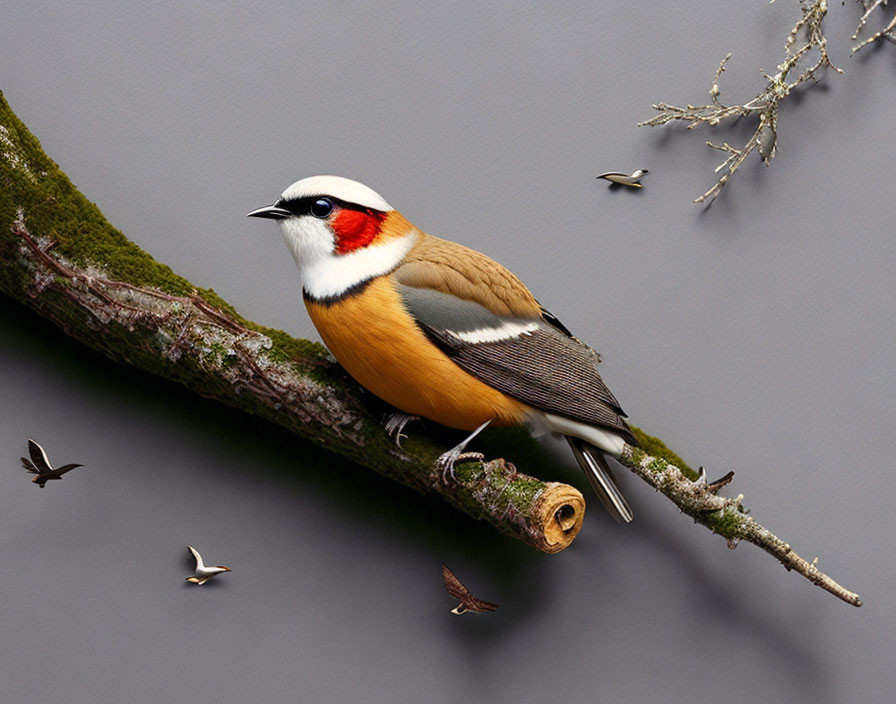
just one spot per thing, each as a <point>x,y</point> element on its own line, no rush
<point>338,187</point>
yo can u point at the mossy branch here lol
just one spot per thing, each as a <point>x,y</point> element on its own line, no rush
<point>208,349</point>
<point>725,516</point>
<point>59,256</point>
<point>764,106</point>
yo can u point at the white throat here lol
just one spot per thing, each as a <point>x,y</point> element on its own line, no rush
<point>326,274</point>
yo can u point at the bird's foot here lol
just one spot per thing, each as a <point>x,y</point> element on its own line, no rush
<point>395,423</point>
<point>447,460</point>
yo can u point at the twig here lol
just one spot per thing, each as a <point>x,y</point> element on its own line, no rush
<point>724,516</point>
<point>889,32</point>
<point>764,106</point>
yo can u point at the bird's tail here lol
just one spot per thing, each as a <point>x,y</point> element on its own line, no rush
<point>596,469</point>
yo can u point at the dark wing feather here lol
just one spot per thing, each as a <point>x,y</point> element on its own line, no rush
<point>555,321</point>
<point>543,366</point>
<point>39,457</point>
<point>67,468</point>
<point>454,587</point>
<point>29,466</point>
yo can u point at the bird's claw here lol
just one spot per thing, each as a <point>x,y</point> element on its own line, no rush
<point>395,423</point>
<point>447,460</point>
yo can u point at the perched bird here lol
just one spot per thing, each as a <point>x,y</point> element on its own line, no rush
<point>633,179</point>
<point>468,602</point>
<point>203,573</point>
<point>39,465</point>
<point>441,331</point>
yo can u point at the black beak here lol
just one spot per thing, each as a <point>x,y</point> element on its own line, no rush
<point>272,212</point>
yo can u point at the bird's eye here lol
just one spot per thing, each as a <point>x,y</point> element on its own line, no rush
<point>322,207</point>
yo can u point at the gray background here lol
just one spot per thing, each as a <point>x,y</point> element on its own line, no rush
<point>755,335</point>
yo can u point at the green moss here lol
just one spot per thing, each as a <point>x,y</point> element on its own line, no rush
<point>657,448</point>
<point>286,347</point>
<point>56,209</point>
<point>523,492</point>
<point>658,465</point>
<point>728,522</point>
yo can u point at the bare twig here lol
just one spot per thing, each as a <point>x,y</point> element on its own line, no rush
<point>765,105</point>
<point>724,516</point>
<point>888,32</point>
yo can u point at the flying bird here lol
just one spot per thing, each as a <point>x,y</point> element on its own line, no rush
<point>441,331</point>
<point>633,179</point>
<point>468,602</point>
<point>203,573</point>
<point>39,465</point>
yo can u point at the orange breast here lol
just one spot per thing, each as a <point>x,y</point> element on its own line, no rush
<point>379,344</point>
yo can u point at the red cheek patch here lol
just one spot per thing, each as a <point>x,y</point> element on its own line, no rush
<point>355,228</point>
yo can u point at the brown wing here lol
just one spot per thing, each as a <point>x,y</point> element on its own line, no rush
<point>451,268</point>
<point>480,605</point>
<point>454,586</point>
<point>67,468</point>
<point>530,359</point>
<point>462,594</point>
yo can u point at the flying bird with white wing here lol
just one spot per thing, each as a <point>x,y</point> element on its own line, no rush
<point>202,573</point>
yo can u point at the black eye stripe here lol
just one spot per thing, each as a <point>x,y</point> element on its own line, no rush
<point>302,206</point>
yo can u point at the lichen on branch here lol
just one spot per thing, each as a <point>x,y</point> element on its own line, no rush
<point>794,70</point>
<point>887,32</point>
<point>725,516</point>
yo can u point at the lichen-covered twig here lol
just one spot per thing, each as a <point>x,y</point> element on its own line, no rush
<point>888,32</point>
<point>724,516</point>
<point>764,107</point>
<point>60,257</point>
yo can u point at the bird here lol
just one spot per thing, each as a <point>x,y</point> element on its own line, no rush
<point>39,465</point>
<point>443,332</point>
<point>203,573</point>
<point>633,179</point>
<point>468,602</point>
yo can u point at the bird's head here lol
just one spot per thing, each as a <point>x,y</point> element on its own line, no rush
<point>340,232</point>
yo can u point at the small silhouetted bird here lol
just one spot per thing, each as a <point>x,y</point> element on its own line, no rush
<point>39,465</point>
<point>468,602</point>
<point>633,179</point>
<point>203,573</point>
